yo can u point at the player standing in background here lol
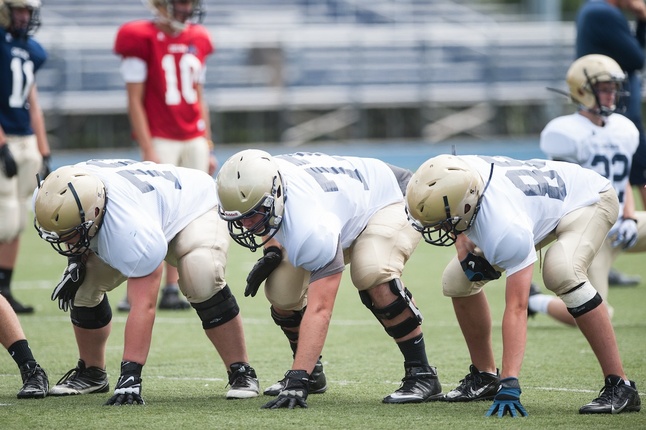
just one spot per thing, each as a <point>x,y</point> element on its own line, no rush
<point>498,211</point>
<point>163,65</point>
<point>602,28</point>
<point>24,150</point>
<point>117,221</point>
<point>326,212</point>
<point>598,139</point>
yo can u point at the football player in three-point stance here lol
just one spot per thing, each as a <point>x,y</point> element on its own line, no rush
<point>117,221</point>
<point>598,139</point>
<point>498,211</point>
<point>24,150</point>
<point>323,212</point>
<point>163,65</point>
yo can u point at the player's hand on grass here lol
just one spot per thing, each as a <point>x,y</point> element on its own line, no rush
<point>128,389</point>
<point>296,383</point>
<point>507,400</point>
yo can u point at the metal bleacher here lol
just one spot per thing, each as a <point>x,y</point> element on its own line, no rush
<point>319,54</point>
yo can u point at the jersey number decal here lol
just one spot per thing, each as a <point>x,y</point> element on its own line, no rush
<point>187,69</point>
<point>619,163</point>
<point>543,183</point>
<point>318,172</point>
<point>23,78</point>
<point>133,175</point>
<point>532,182</point>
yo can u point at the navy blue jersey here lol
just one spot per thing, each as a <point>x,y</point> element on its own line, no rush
<point>603,29</point>
<point>19,61</point>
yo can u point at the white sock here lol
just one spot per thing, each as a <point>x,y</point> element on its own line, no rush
<point>539,302</point>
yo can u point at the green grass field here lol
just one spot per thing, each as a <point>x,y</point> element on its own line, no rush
<point>185,381</point>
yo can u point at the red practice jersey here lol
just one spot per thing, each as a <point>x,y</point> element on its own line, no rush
<point>175,66</point>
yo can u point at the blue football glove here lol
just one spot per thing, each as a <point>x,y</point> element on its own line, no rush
<point>296,383</point>
<point>507,400</point>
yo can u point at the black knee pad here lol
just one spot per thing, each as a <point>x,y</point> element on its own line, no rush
<point>92,318</point>
<point>218,310</point>
<point>291,321</point>
<point>402,302</point>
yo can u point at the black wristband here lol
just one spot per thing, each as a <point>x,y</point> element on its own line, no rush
<point>131,368</point>
<point>269,249</point>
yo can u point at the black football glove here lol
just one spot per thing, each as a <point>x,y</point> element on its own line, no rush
<point>262,269</point>
<point>46,167</point>
<point>128,389</point>
<point>294,393</point>
<point>478,269</point>
<point>69,284</point>
<point>7,162</point>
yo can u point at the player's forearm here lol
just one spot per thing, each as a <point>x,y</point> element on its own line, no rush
<point>316,321</point>
<point>514,338</point>
<point>142,295</point>
<point>514,321</point>
<point>37,119</point>
<point>140,128</point>
<point>204,108</point>
<point>629,202</point>
<point>138,335</point>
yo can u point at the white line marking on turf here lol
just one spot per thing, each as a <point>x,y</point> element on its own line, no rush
<point>340,383</point>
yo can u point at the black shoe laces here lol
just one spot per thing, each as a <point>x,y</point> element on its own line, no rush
<point>606,394</point>
<point>32,373</point>
<point>69,374</point>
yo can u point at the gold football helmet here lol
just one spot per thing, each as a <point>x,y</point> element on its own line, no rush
<point>69,208</point>
<point>443,198</point>
<point>250,184</point>
<point>6,19</point>
<point>583,76</point>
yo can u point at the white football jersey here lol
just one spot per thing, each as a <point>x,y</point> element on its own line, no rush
<point>327,199</point>
<point>524,202</point>
<point>147,205</point>
<point>607,150</point>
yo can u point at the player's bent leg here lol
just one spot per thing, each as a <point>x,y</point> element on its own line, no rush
<point>420,382</point>
<point>289,322</point>
<point>215,312</point>
<point>83,379</point>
